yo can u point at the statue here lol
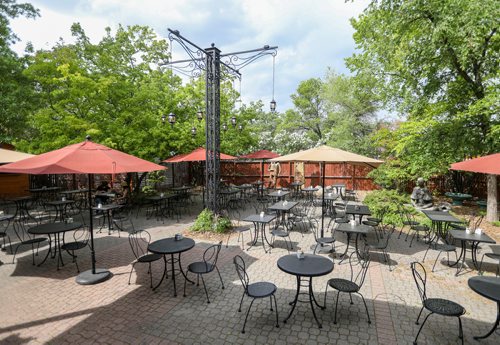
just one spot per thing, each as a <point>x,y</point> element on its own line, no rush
<point>421,197</point>
<point>274,171</point>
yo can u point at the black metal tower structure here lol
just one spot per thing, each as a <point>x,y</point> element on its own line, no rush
<point>209,61</point>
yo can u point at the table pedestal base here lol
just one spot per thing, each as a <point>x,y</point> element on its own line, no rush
<point>89,278</point>
<point>312,299</point>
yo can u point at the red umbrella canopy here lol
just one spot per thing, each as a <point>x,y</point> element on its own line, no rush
<point>195,156</point>
<point>262,154</point>
<point>82,158</point>
<point>486,165</point>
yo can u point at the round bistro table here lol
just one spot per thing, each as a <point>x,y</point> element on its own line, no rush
<point>171,246</point>
<point>488,287</point>
<point>54,229</point>
<point>308,267</point>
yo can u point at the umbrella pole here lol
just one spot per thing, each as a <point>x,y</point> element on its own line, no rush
<point>323,199</point>
<point>91,223</point>
<point>326,248</point>
<point>92,276</point>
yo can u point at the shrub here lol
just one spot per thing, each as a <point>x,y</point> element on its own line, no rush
<point>386,199</point>
<point>208,221</point>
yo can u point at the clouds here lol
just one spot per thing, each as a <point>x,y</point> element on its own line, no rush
<point>311,35</point>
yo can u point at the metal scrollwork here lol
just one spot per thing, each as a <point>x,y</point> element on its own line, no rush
<point>210,61</point>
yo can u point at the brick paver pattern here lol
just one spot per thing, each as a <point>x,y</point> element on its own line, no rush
<point>41,305</point>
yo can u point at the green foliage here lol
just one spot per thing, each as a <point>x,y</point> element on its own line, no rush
<point>17,96</point>
<point>437,63</point>
<point>496,223</point>
<point>153,179</point>
<point>207,221</point>
<point>388,201</point>
<point>351,105</point>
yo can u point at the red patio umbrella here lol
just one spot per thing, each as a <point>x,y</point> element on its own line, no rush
<point>485,165</point>
<point>83,158</point>
<point>197,155</point>
<point>262,154</point>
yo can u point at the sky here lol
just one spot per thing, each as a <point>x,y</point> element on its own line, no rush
<point>311,36</point>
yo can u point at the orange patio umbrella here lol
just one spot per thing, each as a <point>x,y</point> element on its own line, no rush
<point>197,155</point>
<point>83,158</point>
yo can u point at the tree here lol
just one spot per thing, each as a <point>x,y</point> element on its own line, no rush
<point>16,90</point>
<point>310,115</point>
<point>112,90</point>
<point>436,62</point>
<point>351,105</point>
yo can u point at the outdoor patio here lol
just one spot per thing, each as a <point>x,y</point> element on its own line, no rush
<point>43,305</point>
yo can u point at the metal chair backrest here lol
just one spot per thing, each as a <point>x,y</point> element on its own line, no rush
<point>82,234</point>
<point>211,255</point>
<point>476,222</point>
<point>240,266</point>
<point>364,262</point>
<point>388,230</point>
<point>139,241</point>
<point>420,277</point>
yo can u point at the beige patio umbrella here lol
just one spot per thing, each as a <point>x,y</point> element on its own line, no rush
<point>327,154</point>
<point>10,156</point>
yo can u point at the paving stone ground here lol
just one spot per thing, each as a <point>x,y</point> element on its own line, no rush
<point>40,305</point>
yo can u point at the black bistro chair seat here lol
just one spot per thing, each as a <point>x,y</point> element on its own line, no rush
<point>457,226</point>
<point>72,246</point>
<point>325,240</point>
<point>261,289</point>
<point>343,285</point>
<point>200,267</point>
<point>444,307</point>
<point>146,258</point>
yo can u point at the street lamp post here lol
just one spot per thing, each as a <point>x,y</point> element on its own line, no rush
<point>209,61</point>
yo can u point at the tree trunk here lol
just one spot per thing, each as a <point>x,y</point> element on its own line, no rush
<point>492,207</point>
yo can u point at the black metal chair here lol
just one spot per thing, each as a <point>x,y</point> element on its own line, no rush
<point>240,230</point>
<point>208,264</point>
<point>494,255</point>
<point>20,228</point>
<point>442,246</point>
<point>4,226</point>
<point>281,231</point>
<point>322,241</point>
<point>139,241</point>
<point>438,306</point>
<point>81,237</point>
<point>415,226</point>
<point>352,286</point>
<point>122,219</point>
<point>382,242</point>
<point>402,211</point>
<point>300,216</point>
<point>254,290</point>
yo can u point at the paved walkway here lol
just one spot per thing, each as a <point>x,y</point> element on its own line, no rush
<point>41,305</point>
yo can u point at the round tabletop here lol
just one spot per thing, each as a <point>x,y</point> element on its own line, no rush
<point>53,228</point>
<point>171,245</point>
<point>309,266</point>
<point>60,202</point>
<point>6,217</point>
<point>488,287</point>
